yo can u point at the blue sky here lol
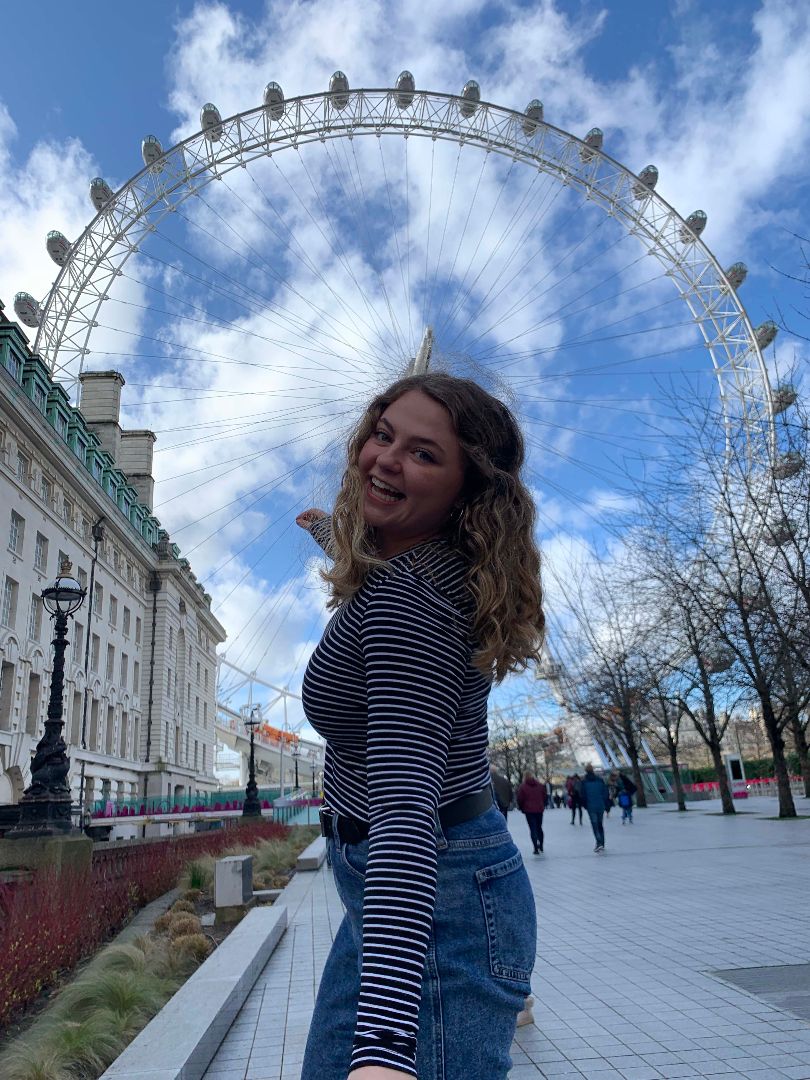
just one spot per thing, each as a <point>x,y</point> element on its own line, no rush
<point>719,100</point>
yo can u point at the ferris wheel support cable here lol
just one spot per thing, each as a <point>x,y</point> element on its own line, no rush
<point>329,424</point>
<point>234,431</point>
<point>408,243</point>
<point>267,598</point>
<point>344,178</point>
<point>338,254</point>
<point>670,302</point>
<point>427,240</point>
<point>262,265</point>
<point>395,233</point>
<point>526,298</point>
<point>432,290</point>
<point>439,318</point>
<point>357,183</point>
<point>463,294</point>
<point>310,264</point>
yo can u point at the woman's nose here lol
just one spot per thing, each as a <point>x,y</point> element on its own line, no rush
<point>388,457</point>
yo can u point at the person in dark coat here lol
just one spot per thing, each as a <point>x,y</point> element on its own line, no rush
<point>573,786</point>
<point>595,799</point>
<point>504,793</point>
<point>531,801</point>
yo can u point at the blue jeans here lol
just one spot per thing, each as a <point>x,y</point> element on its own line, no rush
<point>479,960</point>
<point>597,825</point>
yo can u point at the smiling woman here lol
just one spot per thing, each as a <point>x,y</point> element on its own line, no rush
<point>437,587</point>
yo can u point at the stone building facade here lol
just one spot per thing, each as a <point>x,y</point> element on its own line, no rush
<point>140,678</point>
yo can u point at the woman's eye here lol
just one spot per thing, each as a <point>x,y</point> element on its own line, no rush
<point>381,435</point>
<point>424,455</point>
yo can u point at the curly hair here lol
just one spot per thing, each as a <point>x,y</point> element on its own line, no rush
<point>494,529</point>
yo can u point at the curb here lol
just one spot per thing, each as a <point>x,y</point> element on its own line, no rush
<point>180,1042</point>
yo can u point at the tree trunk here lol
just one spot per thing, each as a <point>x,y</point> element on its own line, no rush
<point>800,739</point>
<point>638,779</point>
<point>726,798</point>
<point>676,773</point>
<point>787,808</point>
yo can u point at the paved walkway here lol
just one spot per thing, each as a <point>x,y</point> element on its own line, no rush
<point>629,947</point>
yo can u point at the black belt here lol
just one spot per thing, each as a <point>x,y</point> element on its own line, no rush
<point>352,831</point>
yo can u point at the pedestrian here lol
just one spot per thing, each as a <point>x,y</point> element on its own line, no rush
<point>573,786</point>
<point>531,801</point>
<point>557,800</point>
<point>626,791</point>
<point>595,799</point>
<point>436,589</point>
<point>504,792</point>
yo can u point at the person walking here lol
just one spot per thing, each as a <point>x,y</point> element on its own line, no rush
<point>595,798</point>
<point>435,582</point>
<point>626,790</point>
<point>531,801</point>
<point>573,786</point>
<point>504,792</point>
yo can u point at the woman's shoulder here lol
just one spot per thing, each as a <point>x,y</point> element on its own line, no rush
<point>435,568</point>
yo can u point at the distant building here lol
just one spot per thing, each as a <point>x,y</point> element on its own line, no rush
<point>147,701</point>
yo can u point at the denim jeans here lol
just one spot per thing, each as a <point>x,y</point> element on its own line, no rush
<point>535,823</point>
<point>479,960</point>
<point>596,817</point>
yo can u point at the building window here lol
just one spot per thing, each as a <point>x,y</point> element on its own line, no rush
<point>23,468</point>
<point>81,577</point>
<point>169,683</point>
<point>196,755</point>
<point>198,673</point>
<point>205,714</point>
<point>171,638</point>
<point>113,610</point>
<point>16,534</point>
<point>204,761</point>
<point>46,490</point>
<point>61,425</point>
<point>127,619</point>
<point>8,612</point>
<point>124,669</point>
<point>136,677</point>
<point>188,695</point>
<point>68,511</point>
<point>197,710</point>
<point>137,630</point>
<point>98,599</point>
<point>35,618</point>
<point>78,641</point>
<point>205,680</point>
<point>94,651</point>
<point>41,554</point>
<point>110,662</point>
<point>39,397</point>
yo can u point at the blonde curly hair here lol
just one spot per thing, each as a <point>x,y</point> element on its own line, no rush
<point>493,530</point>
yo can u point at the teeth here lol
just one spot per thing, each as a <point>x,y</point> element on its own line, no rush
<point>385,492</point>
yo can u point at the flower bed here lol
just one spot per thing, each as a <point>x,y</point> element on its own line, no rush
<point>50,922</point>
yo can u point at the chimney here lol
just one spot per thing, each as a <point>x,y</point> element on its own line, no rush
<point>100,402</point>
<point>136,462</point>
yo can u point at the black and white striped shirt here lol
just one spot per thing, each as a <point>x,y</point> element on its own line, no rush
<point>391,689</point>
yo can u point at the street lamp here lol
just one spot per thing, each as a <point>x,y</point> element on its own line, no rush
<point>252,806</point>
<point>296,753</point>
<point>45,805</point>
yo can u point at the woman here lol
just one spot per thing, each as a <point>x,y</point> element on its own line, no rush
<point>531,801</point>
<point>436,584</point>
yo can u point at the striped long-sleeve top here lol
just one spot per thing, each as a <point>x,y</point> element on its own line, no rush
<point>392,690</point>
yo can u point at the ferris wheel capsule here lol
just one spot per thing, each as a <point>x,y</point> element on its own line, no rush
<point>647,179</point>
<point>695,224</point>
<point>406,85</point>
<point>100,192</point>
<point>27,309</point>
<point>211,122</point>
<point>782,398</point>
<point>593,141</point>
<point>151,150</point>
<point>58,247</point>
<point>274,100</point>
<point>470,97</point>
<point>778,532</point>
<point>736,274</point>
<point>532,116</point>
<point>765,333</point>
<point>788,465</point>
<point>339,89</point>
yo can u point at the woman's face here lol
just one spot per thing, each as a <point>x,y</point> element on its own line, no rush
<point>412,468</point>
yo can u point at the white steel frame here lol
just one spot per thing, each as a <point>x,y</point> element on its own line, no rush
<point>70,311</point>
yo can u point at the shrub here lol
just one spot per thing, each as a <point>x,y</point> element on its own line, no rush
<point>182,905</point>
<point>163,922</point>
<point>192,947</point>
<point>193,894</point>
<point>181,925</point>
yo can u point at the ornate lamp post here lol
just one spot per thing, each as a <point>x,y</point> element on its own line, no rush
<point>252,807</point>
<point>45,805</point>
<point>296,753</point>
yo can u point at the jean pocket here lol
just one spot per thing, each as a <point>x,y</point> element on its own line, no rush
<point>510,917</point>
<point>353,857</point>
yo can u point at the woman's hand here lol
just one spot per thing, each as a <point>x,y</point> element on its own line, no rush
<point>307,518</point>
<point>377,1072</point>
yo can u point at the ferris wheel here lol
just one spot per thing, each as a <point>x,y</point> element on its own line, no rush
<point>293,258</point>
